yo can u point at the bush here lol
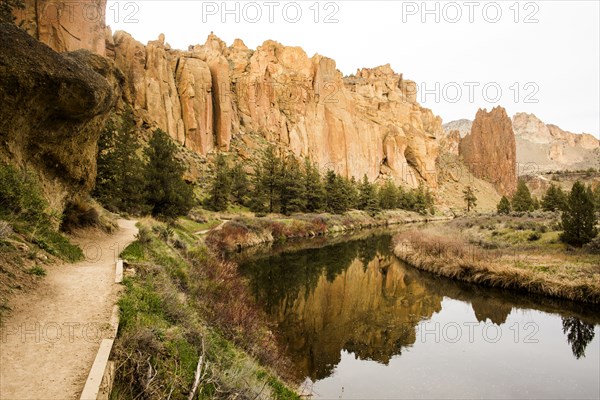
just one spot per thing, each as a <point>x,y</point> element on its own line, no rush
<point>534,236</point>
<point>79,215</point>
<point>37,271</point>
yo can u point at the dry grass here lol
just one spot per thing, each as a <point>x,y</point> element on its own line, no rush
<point>243,232</point>
<point>449,254</point>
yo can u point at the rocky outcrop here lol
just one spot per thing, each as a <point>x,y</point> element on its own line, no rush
<point>489,151</point>
<point>545,147</point>
<point>53,108</point>
<point>65,25</point>
<point>449,142</point>
<point>236,99</point>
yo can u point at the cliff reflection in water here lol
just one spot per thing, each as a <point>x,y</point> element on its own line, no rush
<point>352,296</point>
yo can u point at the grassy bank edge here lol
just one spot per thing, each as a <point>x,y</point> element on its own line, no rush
<point>416,252</point>
<point>244,231</point>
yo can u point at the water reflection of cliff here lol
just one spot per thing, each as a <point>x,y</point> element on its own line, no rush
<point>354,295</point>
<point>358,298</point>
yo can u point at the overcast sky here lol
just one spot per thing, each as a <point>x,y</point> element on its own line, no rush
<point>539,57</point>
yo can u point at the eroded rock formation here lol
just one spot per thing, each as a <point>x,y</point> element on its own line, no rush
<point>544,147</point>
<point>233,98</point>
<point>66,25</point>
<point>489,151</point>
<point>53,108</point>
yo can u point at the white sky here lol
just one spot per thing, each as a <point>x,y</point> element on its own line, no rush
<point>550,67</point>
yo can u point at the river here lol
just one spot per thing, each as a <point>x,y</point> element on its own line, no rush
<point>358,323</point>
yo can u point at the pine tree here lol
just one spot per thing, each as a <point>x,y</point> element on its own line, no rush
<point>167,193</point>
<point>388,196</point>
<point>239,184</point>
<point>315,192</point>
<point>335,201</point>
<point>258,196</point>
<point>292,190</point>
<point>351,192</point>
<point>469,198</point>
<point>271,177</point>
<point>554,199</point>
<point>220,187</point>
<point>368,200</point>
<point>504,206</point>
<point>522,200</point>
<point>579,219</point>
<point>7,7</point>
<point>120,182</point>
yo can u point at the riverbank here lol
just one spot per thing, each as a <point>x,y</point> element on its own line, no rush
<point>246,231</point>
<point>516,253</point>
<point>187,316</point>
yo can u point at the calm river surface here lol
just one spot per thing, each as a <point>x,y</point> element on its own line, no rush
<point>359,324</point>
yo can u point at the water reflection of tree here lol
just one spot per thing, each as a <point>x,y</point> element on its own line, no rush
<point>579,335</point>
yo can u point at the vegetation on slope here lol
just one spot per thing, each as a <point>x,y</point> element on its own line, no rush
<point>180,303</point>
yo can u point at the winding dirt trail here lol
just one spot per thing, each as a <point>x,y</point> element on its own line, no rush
<point>49,342</point>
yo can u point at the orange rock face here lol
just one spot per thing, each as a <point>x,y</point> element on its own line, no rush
<point>66,26</point>
<point>211,95</point>
<point>490,150</point>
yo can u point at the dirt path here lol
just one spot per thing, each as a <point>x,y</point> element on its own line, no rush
<point>50,340</point>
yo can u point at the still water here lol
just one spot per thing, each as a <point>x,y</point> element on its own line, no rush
<point>359,324</point>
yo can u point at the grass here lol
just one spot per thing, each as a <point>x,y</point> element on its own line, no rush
<point>37,271</point>
<point>494,254</point>
<point>244,231</point>
<point>183,302</point>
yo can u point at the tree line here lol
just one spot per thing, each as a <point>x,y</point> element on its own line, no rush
<point>579,208</point>
<point>140,179</point>
<point>282,183</point>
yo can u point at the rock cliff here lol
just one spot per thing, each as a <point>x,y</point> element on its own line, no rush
<point>65,25</point>
<point>53,107</point>
<point>489,151</point>
<point>547,147</point>
<point>231,98</point>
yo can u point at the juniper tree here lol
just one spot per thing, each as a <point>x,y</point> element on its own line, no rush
<point>554,199</point>
<point>504,206</point>
<point>578,218</point>
<point>335,201</point>
<point>292,191</point>
<point>522,200</point>
<point>239,184</point>
<point>367,197</point>
<point>388,196</point>
<point>469,198</point>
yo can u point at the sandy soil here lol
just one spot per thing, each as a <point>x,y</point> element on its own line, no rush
<point>50,340</point>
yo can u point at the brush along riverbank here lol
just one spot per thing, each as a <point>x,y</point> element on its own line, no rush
<point>246,231</point>
<point>187,316</point>
<point>516,253</point>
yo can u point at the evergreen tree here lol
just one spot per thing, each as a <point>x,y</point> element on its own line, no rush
<point>554,199</point>
<point>469,198</point>
<point>522,200</point>
<point>536,202</point>
<point>167,193</point>
<point>351,192</point>
<point>420,200</point>
<point>239,184</point>
<point>7,7</point>
<point>120,182</point>
<point>220,187</point>
<point>368,199</point>
<point>258,197</point>
<point>388,196</point>
<point>597,198</point>
<point>335,201</point>
<point>272,172</point>
<point>315,192</point>
<point>579,219</point>
<point>504,206</point>
<point>293,189</point>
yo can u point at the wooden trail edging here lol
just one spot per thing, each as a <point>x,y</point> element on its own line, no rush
<point>98,385</point>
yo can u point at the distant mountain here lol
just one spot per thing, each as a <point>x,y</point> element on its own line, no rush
<point>542,147</point>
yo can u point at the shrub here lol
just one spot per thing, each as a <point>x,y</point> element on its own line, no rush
<point>37,271</point>
<point>77,215</point>
<point>534,236</point>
